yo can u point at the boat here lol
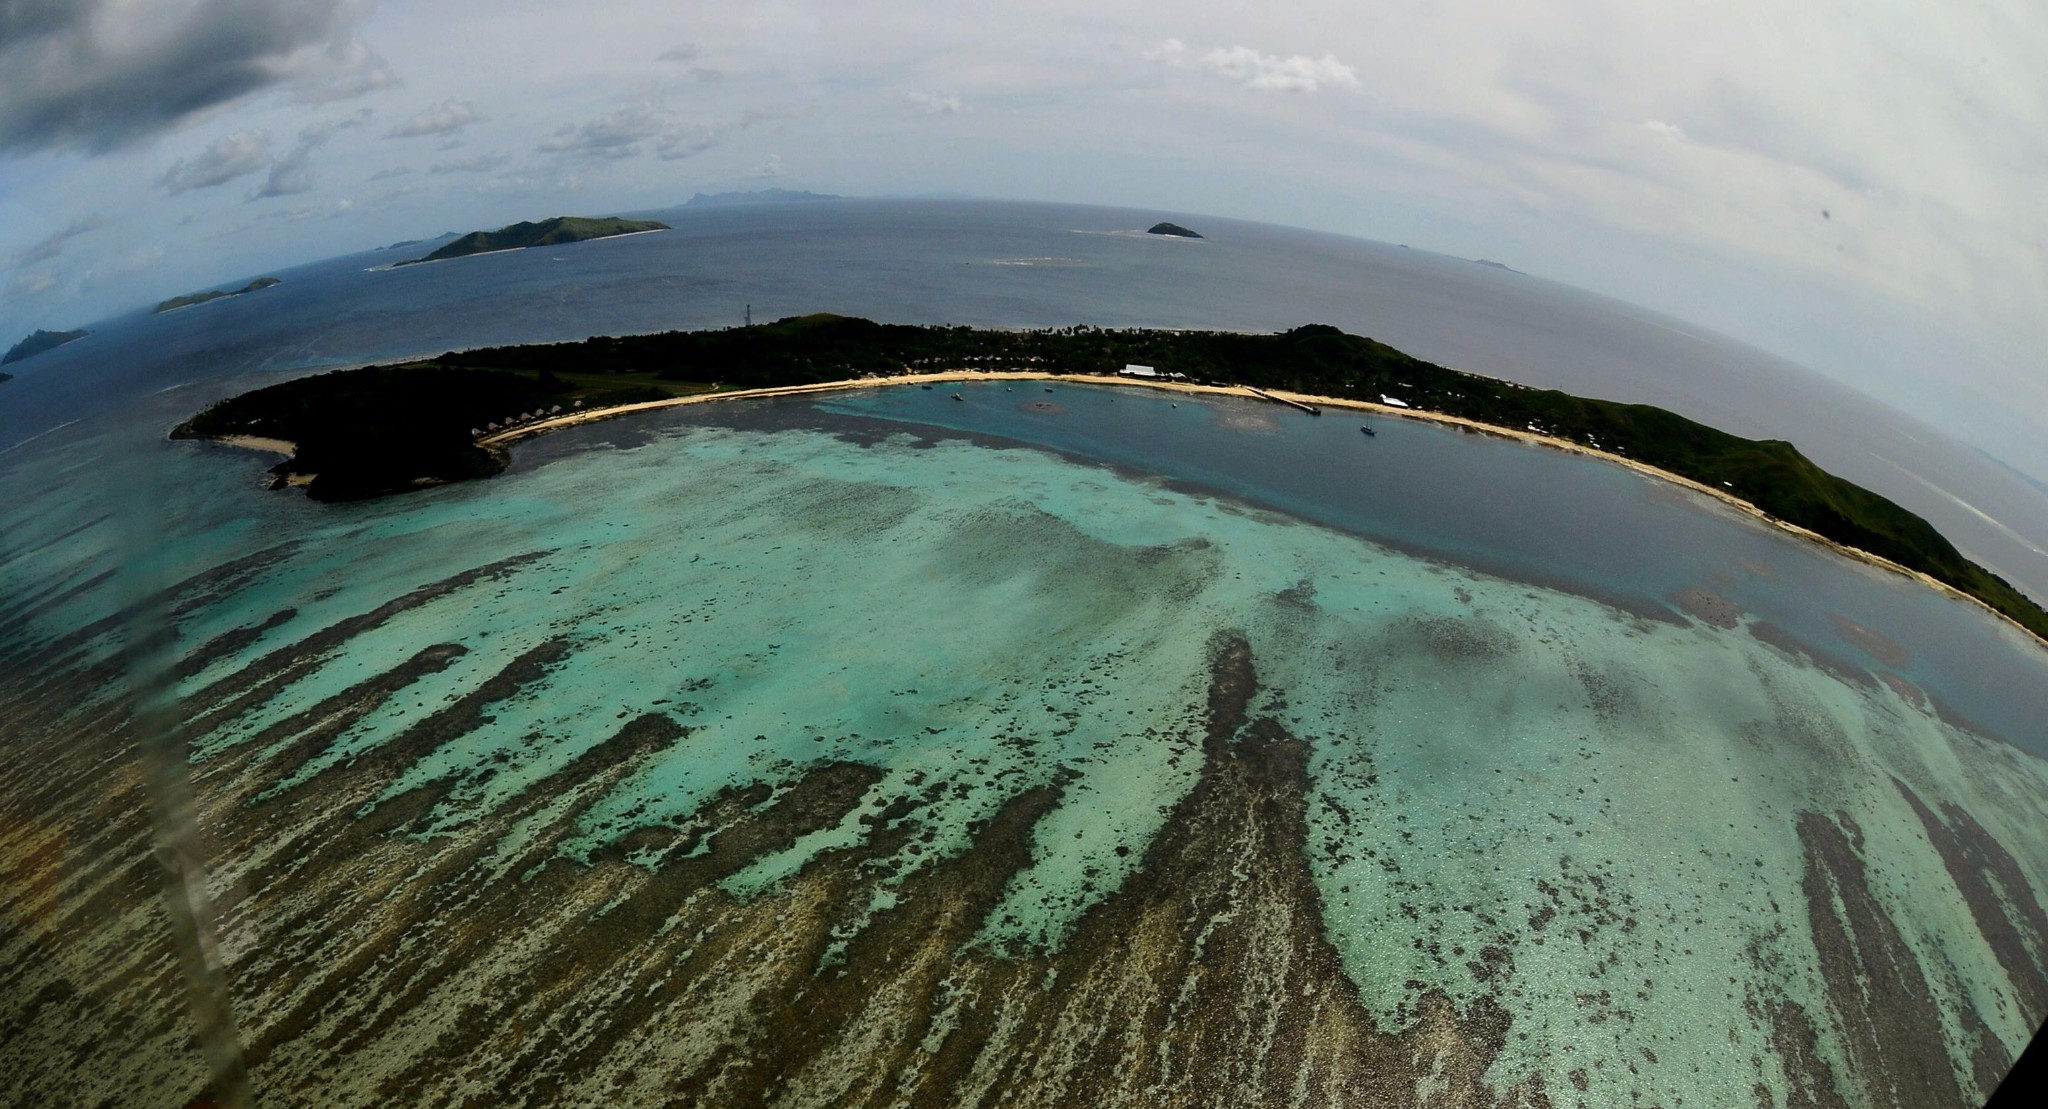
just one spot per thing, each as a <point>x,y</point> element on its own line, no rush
<point>957,396</point>
<point>927,387</point>
<point>1367,430</point>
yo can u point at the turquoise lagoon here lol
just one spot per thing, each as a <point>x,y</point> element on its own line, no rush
<point>1542,773</point>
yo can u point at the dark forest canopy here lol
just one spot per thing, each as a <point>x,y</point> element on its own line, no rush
<point>38,342</point>
<point>547,232</point>
<point>387,429</point>
<point>190,299</point>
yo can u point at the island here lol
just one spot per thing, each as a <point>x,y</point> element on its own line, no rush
<point>5,378</point>
<point>388,429</point>
<point>1174,229</point>
<point>547,232</point>
<point>38,342</point>
<point>190,299</point>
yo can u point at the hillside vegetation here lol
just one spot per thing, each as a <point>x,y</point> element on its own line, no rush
<point>547,232</point>
<point>190,299</point>
<point>386,429</point>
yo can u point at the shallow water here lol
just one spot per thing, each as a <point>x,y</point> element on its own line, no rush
<point>1529,782</point>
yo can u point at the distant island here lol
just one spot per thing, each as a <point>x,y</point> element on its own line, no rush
<point>548,232</point>
<point>5,378</point>
<point>1173,229</point>
<point>1495,265</point>
<point>388,429</point>
<point>38,342</point>
<point>190,299</point>
<point>758,196</point>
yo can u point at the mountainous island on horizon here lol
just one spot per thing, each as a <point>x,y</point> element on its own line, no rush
<point>37,342</point>
<point>548,232</point>
<point>190,299</point>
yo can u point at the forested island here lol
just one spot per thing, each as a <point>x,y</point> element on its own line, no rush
<point>1173,229</point>
<point>547,232</point>
<point>386,429</point>
<point>190,299</point>
<point>37,342</point>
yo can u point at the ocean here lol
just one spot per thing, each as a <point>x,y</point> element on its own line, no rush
<point>1058,741</point>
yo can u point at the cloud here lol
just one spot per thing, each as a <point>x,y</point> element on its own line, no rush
<point>25,285</point>
<point>54,245</point>
<point>772,167</point>
<point>95,75</point>
<point>223,160</point>
<point>1254,70</point>
<point>686,56</point>
<point>388,174</point>
<point>1668,130</point>
<point>477,163</point>
<point>351,69</point>
<point>1297,73</point>
<point>293,173</point>
<point>629,132</point>
<point>926,103</point>
<point>445,118</point>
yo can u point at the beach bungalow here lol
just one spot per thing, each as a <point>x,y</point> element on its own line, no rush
<point>1135,370</point>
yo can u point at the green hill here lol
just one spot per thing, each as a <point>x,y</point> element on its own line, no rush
<point>386,429</point>
<point>38,342</point>
<point>190,299</point>
<point>548,232</point>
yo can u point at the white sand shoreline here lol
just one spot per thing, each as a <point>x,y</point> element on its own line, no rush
<point>504,439</point>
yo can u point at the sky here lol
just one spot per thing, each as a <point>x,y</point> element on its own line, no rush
<point>1855,186</point>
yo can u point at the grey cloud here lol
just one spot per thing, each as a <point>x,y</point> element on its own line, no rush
<point>223,160</point>
<point>352,70</point>
<point>444,118</point>
<point>293,173</point>
<point>96,74</point>
<point>478,164</point>
<point>25,285</point>
<point>629,132</point>
<point>686,56</point>
<point>54,245</point>
<point>388,174</point>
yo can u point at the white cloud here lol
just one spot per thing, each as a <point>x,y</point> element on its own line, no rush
<point>772,167</point>
<point>391,172</point>
<point>223,160</point>
<point>1254,70</point>
<point>926,103</point>
<point>445,118</point>
<point>1268,72</point>
<point>1666,129</point>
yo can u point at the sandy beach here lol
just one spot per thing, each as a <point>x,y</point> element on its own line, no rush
<point>506,438</point>
<point>284,447</point>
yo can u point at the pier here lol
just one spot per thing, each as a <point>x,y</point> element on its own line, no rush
<point>1308,408</point>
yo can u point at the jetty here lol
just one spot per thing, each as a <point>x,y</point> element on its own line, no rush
<point>1308,408</point>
